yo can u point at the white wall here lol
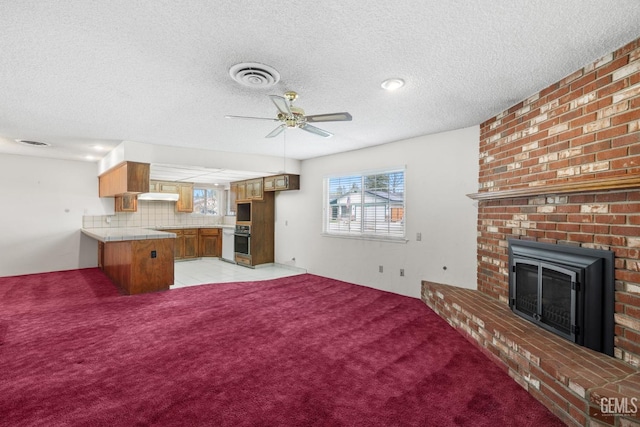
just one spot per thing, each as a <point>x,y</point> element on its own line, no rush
<point>441,170</point>
<point>43,201</point>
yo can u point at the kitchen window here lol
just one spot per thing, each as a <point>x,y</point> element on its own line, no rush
<point>206,201</point>
<point>366,205</point>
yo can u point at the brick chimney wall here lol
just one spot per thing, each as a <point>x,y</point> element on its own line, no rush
<point>583,129</point>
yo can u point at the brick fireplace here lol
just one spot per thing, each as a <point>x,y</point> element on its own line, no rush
<point>561,167</point>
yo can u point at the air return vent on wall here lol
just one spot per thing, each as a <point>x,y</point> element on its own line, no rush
<point>255,75</point>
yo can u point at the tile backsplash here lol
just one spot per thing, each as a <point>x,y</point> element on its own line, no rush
<point>153,213</point>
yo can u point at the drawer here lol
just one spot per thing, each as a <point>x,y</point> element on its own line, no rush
<point>210,231</point>
<point>190,231</point>
<point>243,259</point>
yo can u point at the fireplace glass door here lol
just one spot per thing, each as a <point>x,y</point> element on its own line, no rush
<point>546,295</point>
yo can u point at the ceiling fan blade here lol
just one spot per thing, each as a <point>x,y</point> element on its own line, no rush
<point>317,131</point>
<point>331,117</point>
<point>277,131</point>
<point>251,118</point>
<point>281,104</point>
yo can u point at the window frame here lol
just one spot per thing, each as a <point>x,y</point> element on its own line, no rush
<point>328,210</point>
<point>219,198</point>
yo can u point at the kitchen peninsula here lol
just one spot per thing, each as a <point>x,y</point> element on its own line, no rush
<point>137,260</point>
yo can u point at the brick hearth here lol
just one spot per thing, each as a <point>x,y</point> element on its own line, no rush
<point>568,379</point>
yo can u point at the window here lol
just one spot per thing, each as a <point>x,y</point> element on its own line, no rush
<point>366,205</point>
<point>206,201</point>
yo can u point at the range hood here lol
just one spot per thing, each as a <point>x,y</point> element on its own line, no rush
<point>166,197</point>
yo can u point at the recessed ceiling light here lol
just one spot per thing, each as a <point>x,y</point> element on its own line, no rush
<point>392,84</point>
<point>99,148</point>
<point>89,157</point>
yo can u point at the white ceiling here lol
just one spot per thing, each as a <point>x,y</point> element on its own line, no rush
<point>80,74</point>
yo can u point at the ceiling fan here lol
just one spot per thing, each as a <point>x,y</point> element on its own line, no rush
<point>293,117</point>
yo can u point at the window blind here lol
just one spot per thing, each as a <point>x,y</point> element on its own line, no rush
<point>370,204</point>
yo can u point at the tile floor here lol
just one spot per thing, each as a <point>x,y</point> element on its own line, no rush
<point>212,270</point>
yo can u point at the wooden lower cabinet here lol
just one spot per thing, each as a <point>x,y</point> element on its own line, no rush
<point>140,266</point>
<point>100,254</point>
<point>210,242</point>
<point>245,260</point>
<point>190,243</point>
<point>186,246</point>
<point>197,242</point>
<point>178,249</point>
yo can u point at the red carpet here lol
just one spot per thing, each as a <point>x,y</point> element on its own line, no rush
<point>298,351</point>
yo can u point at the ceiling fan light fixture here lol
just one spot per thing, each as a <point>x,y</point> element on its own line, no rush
<point>392,84</point>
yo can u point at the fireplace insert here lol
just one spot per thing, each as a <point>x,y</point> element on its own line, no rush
<point>567,290</point>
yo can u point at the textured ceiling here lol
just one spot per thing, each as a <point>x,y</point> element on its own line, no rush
<point>80,73</point>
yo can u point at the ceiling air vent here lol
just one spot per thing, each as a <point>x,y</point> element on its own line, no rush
<point>33,143</point>
<point>254,75</point>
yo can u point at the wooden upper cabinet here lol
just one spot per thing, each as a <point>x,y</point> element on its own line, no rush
<point>164,187</point>
<point>254,189</point>
<point>282,182</point>
<point>126,203</point>
<point>127,177</point>
<point>168,187</point>
<point>183,189</point>
<point>241,190</point>
<point>251,189</point>
<point>233,196</point>
<point>185,201</point>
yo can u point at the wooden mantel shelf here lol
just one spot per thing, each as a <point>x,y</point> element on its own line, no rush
<point>594,185</point>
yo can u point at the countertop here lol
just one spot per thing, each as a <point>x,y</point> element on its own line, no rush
<point>180,227</point>
<point>139,233</point>
<point>119,234</point>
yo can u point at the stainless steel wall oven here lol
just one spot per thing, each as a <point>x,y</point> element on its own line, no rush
<point>242,240</point>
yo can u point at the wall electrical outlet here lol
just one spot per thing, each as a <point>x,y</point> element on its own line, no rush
<point>402,272</point>
<point>418,237</point>
<point>380,269</point>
